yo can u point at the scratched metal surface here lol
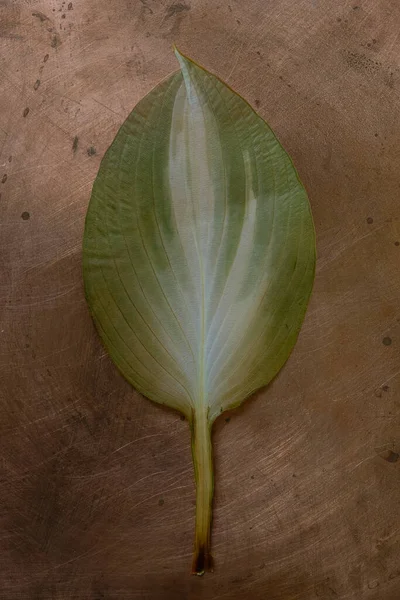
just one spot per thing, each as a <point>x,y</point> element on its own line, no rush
<point>97,494</point>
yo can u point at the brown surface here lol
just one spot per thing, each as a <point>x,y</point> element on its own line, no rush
<point>97,495</point>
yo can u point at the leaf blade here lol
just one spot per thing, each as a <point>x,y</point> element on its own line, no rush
<point>163,284</point>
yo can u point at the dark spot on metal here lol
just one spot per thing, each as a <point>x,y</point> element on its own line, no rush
<point>9,158</point>
<point>389,80</point>
<point>252,477</point>
<point>385,388</point>
<point>4,179</point>
<point>37,83</point>
<point>356,7</point>
<point>387,341</point>
<point>392,457</point>
<point>374,41</point>
<point>161,502</point>
<point>70,6</point>
<point>129,418</point>
<point>376,135</point>
<point>55,41</point>
<point>238,22</point>
<point>257,102</point>
<point>397,243</point>
<point>75,144</point>
<point>360,62</point>
<point>63,16</point>
<point>46,58</point>
<point>339,20</point>
<point>26,112</point>
<point>91,151</point>
<point>174,9</point>
<point>394,575</point>
<point>25,216</point>
<point>39,15</point>
<point>370,220</point>
<point>294,475</point>
<point>146,7</point>
<point>227,419</point>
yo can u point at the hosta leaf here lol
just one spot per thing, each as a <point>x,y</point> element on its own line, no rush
<point>199,257</point>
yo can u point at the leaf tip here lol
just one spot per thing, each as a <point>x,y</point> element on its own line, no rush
<point>180,57</point>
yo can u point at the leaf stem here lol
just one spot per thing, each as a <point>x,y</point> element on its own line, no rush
<point>203,472</point>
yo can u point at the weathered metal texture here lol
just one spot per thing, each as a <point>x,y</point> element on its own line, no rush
<point>97,493</point>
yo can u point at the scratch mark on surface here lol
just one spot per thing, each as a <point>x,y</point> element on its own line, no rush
<point>277,518</point>
<point>45,300</point>
<point>137,440</point>
<point>346,247</point>
<point>390,379</point>
<point>94,475</point>
<point>14,85</point>
<point>51,416</point>
<point>168,488</point>
<point>319,348</point>
<point>362,461</point>
<point>107,107</point>
<point>236,60</point>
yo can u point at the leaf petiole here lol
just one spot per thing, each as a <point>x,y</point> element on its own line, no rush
<point>204,477</point>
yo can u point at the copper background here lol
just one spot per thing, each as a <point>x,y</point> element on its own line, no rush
<point>97,492</point>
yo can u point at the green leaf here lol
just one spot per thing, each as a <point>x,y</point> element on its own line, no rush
<point>199,257</point>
